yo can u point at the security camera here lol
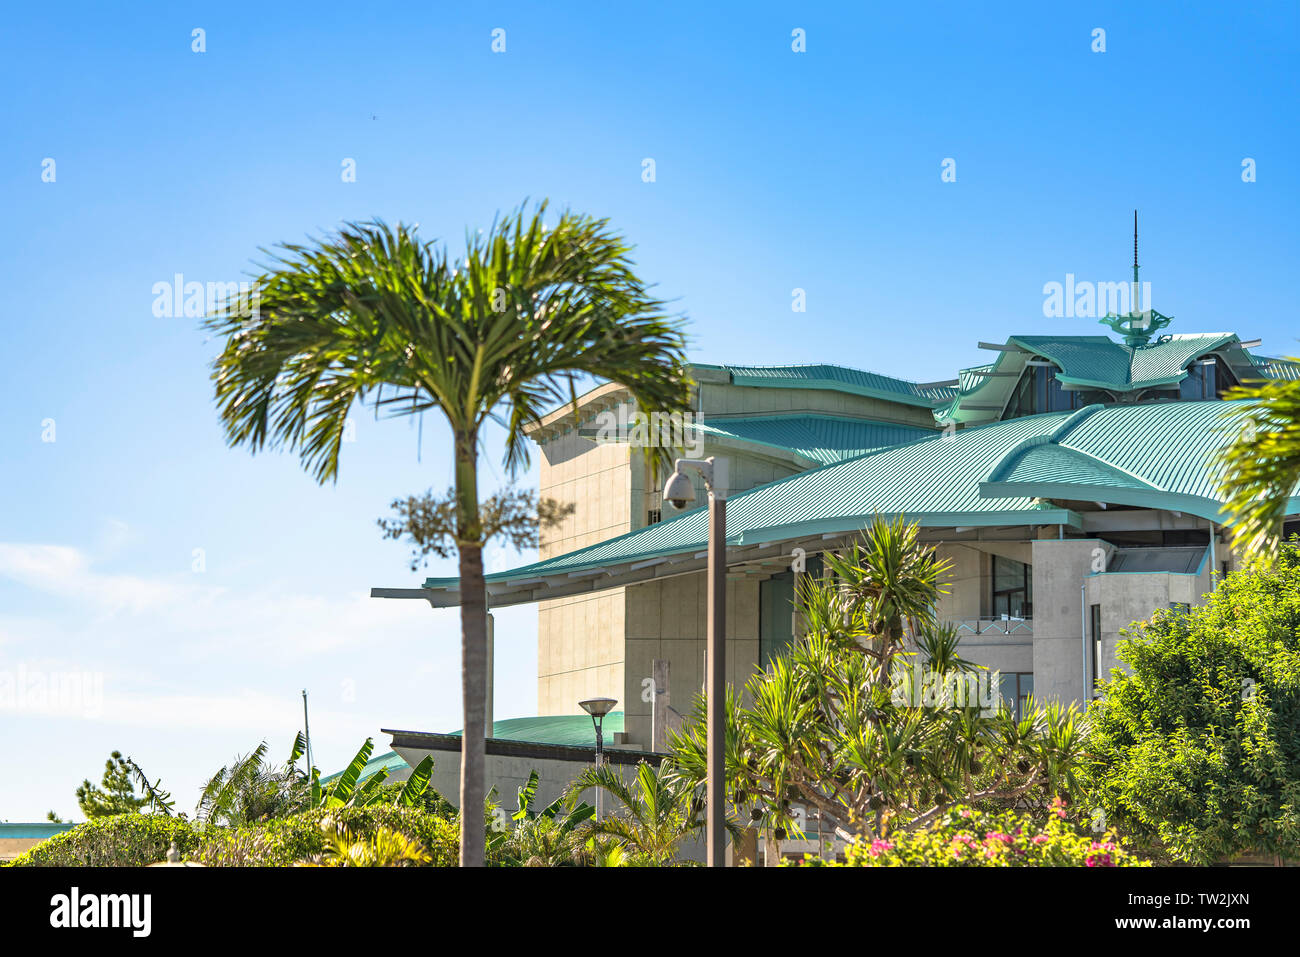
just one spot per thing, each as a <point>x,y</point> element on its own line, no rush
<point>679,491</point>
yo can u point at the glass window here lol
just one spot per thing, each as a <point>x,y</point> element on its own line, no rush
<point>1016,687</point>
<point>1040,391</point>
<point>1013,589</point>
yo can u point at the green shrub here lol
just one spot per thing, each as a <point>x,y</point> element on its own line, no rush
<point>1197,749</point>
<point>122,840</point>
<point>968,837</point>
<point>299,838</point>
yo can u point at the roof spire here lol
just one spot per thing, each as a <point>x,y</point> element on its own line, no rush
<point>1138,325</point>
<point>1135,254</point>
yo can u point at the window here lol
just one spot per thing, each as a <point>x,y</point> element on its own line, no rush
<point>1015,689</point>
<point>1094,628</point>
<point>1207,378</point>
<point>1040,391</point>
<point>1013,589</point>
<point>776,610</point>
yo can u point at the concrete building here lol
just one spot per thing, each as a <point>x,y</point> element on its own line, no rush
<point>1069,481</point>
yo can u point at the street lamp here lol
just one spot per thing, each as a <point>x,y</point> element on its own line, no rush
<point>598,708</point>
<point>680,493</point>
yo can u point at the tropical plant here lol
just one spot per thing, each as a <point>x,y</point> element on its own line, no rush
<point>659,811</point>
<point>252,790</point>
<point>1197,745</point>
<point>545,837</point>
<point>300,838</point>
<point>971,837</point>
<point>875,737</point>
<point>383,847</point>
<point>1260,471</point>
<point>374,314</point>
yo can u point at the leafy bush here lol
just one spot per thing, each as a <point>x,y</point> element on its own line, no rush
<point>299,838</point>
<point>851,722</point>
<point>968,837</point>
<point>123,840</point>
<point>1198,749</point>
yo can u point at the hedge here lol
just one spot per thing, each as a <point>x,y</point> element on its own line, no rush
<point>133,840</point>
<point>299,837</point>
<point>123,840</point>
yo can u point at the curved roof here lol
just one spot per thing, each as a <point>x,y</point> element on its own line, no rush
<point>1154,455</point>
<point>837,379</point>
<point>821,439</point>
<point>1096,363</point>
<point>1100,362</point>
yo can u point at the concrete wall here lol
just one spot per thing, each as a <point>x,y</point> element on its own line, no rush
<point>579,639</point>
<point>1126,598</point>
<point>723,400</point>
<point>668,619</point>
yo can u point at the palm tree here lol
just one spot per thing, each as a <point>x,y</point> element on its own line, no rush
<point>660,810</point>
<point>1261,469</point>
<point>373,314</point>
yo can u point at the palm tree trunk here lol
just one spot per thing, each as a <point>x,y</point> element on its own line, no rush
<point>473,652</point>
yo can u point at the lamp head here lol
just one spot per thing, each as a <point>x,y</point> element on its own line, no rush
<point>598,707</point>
<point>678,490</point>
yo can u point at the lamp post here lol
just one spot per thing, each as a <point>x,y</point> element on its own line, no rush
<point>598,708</point>
<point>679,491</point>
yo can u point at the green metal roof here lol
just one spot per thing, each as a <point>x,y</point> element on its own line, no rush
<point>838,379</point>
<point>1277,368</point>
<point>41,830</point>
<point>569,729</point>
<point>819,438</point>
<point>1100,362</point>
<point>1092,362</point>
<point>575,730</point>
<point>390,761</point>
<point>1154,455</point>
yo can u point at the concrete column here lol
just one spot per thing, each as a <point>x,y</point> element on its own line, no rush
<point>1060,567</point>
<point>660,706</point>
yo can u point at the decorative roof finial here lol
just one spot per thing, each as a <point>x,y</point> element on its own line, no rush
<point>1139,325</point>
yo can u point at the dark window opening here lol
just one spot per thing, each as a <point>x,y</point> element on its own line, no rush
<point>1039,390</point>
<point>1207,378</point>
<point>1016,687</point>
<point>1013,589</point>
<point>776,610</point>
<point>1094,627</point>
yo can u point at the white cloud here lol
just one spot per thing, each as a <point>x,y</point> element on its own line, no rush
<point>200,620</point>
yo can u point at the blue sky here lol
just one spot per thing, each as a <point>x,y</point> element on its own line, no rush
<point>775,170</point>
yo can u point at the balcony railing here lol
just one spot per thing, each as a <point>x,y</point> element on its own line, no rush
<point>994,626</point>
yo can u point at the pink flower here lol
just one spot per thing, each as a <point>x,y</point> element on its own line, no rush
<point>878,847</point>
<point>1039,839</point>
<point>964,812</point>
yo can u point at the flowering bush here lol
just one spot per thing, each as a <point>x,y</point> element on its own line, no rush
<point>967,837</point>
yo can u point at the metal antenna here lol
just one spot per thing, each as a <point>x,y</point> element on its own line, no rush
<point>1137,288</point>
